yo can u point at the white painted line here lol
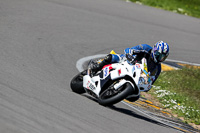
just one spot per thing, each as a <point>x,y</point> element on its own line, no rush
<point>183,62</point>
<point>154,118</point>
<point>143,112</point>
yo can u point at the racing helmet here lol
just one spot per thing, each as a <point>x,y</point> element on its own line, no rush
<point>160,51</point>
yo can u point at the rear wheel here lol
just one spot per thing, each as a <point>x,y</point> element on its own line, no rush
<point>77,83</point>
<point>111,96</point>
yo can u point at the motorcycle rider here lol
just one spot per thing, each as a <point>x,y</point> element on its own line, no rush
<point>154,56</point>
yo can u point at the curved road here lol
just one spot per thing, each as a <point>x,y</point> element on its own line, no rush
<point>40,42</point>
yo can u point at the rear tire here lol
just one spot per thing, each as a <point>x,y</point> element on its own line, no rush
<point>77,83</point>
<point>127,90</point>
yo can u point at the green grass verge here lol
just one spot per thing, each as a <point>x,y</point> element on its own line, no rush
<point>179,90</point>
<point>187,7</point>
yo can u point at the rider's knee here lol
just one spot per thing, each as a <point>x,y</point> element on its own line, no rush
<point>112,58</point>
<point>115,58</point>
<point>108,58</point>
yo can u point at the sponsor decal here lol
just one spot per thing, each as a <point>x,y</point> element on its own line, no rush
<point>90,86</point>
<point>138,66</point>
<point>165,49</point>
<point>149,87</point>
<point>106,72</point>
<point>133,69</point>
<point>107,69</point>
<point>119,71</point>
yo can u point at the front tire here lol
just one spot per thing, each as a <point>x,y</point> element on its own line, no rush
<point>133,99</point>
<point>77,83</point>
<point>125,90</point>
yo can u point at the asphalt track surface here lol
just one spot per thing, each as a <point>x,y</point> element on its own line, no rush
<point>40,42</point>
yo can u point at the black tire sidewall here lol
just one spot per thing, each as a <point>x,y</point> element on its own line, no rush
<point>77,87</point>
<point>133,99</point>
<point>119,97</point>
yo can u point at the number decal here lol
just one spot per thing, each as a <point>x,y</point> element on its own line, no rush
<point>90,86</point>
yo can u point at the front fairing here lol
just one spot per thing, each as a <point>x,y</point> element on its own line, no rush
<point>114,72</point>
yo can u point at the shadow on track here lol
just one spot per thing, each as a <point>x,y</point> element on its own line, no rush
<point>127,112</point>
<point>133,114</point>
<point>90,97</point>
<point>138,116</point>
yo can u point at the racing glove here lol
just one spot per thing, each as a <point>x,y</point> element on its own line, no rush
<point>131,58</point>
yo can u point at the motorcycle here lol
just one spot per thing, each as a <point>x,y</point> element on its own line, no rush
<point>115,82</point>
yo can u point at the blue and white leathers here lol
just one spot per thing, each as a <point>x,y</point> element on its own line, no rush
<point>142,48</point>
<point>115,58</point>
<point>139,52</point>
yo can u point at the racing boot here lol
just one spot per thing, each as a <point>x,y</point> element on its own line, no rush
<point>95,67</point>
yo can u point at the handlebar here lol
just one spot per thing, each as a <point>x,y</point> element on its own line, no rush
<point>131,59</point>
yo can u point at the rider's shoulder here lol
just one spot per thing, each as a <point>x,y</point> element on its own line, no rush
<point>142,47</point>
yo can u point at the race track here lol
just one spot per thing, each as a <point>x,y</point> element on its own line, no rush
<point>40,43</point>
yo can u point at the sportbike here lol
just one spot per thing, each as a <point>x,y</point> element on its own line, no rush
<point>114,82</point>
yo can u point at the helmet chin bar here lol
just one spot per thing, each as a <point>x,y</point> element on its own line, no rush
<point>154,59</point>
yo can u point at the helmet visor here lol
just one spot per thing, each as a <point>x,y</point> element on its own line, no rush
<point>160,57</point>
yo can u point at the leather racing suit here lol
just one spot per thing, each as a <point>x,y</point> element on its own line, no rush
<point>138,52</point>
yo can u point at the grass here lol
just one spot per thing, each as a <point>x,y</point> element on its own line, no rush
<point>179,90</point>
<point>187,7</point>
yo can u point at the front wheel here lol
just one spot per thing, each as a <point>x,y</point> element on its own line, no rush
<point>112,96</point>
<point>77,83</point>
<point>133,99</point>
